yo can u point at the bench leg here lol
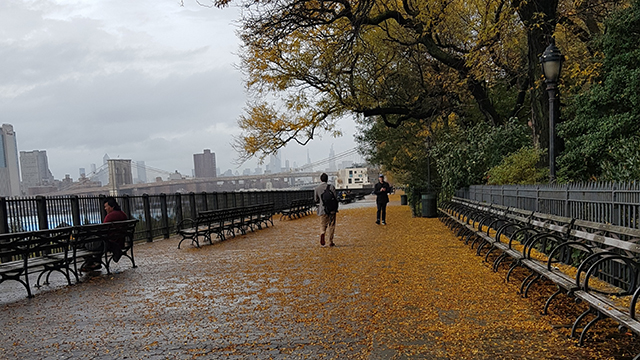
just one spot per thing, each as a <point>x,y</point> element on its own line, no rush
<point>513,266</point>
<point>496,263</point>
<point>183,239</point>
<point>546,304</point>
<point>480,247</point>
<point>589,325</point>
<point>525,281</point>
<point>526,290</point>
<point>578,320</point>
<point>476,239</point>
<point>486,257</point>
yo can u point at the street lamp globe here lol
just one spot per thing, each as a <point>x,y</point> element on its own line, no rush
<point>551,61</point>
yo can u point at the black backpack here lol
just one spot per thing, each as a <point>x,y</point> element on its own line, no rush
<point>329,201</point>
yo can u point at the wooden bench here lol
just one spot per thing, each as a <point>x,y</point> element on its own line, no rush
<point>121,231</point>
<point>298,208</point>
<point>593,262</point>
<point>34,252</point>
<point>224,222</point>
<point>59,250</point>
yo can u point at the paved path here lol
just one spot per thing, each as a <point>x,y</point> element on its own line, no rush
<point>408,290</point>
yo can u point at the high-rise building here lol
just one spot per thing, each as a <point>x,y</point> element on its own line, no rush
<point>332,160</point>
<point>34,167</point>
<point>205,164</point>
<point>9,167</point>
<point>141,169</point>
<point>83,172</point>
<point>275,163</point>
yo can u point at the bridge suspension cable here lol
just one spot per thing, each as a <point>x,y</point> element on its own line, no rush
<point>350,152</point>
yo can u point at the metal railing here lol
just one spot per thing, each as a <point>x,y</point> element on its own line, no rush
<point>157,214</point>
<point>609,203</point>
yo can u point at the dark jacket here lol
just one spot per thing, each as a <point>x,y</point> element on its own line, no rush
<point>382,196</point>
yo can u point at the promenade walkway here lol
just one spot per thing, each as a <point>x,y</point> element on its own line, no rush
<point>408,290</point>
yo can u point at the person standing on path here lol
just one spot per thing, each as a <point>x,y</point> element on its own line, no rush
<point>382,189</point>
<point>327,221</point>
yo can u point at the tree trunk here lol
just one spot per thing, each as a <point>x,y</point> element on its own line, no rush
<point>539,18</point>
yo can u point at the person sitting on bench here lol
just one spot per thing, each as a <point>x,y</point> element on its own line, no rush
<point>114,213</point>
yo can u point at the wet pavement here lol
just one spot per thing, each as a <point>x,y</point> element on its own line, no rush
<point>408,290</point>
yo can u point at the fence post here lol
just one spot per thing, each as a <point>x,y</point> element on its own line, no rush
<point>75,210</point>
<point>103,212</point>
<point>178,207</point>
<point>41,207</point>
<point>164,215</point>
<point>566,201</point>
<point>147,216</point>
<point>205,204</point>
<point>126,205</point>
<point>216,205</point>
<point>615,218</point>
<point>4,216</point>
<point>192,205</point>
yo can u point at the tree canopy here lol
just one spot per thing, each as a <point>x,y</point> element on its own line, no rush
<point>409,70</point>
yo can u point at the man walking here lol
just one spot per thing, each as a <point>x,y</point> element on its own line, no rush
<point>323,195</point>
<point>382,189</point>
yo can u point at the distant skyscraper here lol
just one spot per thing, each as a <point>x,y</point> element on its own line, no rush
<point>141,169</point>
<point>34,166</point>
<point>93,168</point>
<point>332,159</point>
<point>9,168</point>
<point>83,172</point>
<point>275,163</point>
<point>105,158</point>
<point>205,164</point>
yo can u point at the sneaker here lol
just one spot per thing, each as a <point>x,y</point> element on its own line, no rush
<point>384,223</point>
<point>322,239</point>
<point>378,222</point>
<point>332,244</point>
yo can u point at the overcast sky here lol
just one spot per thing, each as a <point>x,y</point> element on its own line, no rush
<point>143,80</point>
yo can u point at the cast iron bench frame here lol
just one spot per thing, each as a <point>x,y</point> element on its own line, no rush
<point>224,222</point>
<point>298,208</point>
<point>596,245</point>
<point>60,250</point>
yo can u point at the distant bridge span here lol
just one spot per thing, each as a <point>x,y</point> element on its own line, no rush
<point>225,183</point>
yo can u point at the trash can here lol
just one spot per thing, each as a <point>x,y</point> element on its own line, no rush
<point>403,199</point>
<point>429,205</point>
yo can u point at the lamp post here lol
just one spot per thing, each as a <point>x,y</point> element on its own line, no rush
<point>427,143</point>
<point>551,61</point>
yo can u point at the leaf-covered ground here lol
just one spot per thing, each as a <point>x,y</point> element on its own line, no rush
<point>408,290</point>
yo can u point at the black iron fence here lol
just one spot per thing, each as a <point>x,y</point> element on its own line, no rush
<point>157,214</point>
<point>610,203</point>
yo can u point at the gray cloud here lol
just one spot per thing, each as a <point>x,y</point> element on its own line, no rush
<point>138,80</point>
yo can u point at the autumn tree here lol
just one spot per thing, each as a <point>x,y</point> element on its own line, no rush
<point>395,60</point>
<point>309,64</point>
